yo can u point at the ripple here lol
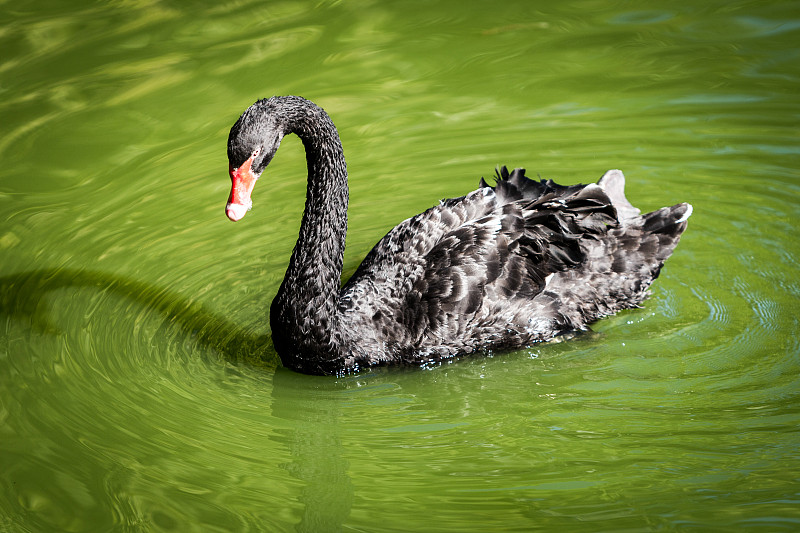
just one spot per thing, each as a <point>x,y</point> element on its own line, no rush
<point>643,17</point>
<point>273,45</point>
<point>718,313</point>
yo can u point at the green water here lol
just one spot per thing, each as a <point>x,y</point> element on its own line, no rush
<point>138,388</point>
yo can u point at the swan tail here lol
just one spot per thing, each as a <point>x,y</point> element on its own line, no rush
<point>665,226</point>
<point>636,253</point>
<point>668,219</point>
<point>613,251</point>
<point>643,242</point>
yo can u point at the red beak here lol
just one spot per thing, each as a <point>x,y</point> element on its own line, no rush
<point>242,182</point>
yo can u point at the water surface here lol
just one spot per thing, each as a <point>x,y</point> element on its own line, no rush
<point>138,387</point>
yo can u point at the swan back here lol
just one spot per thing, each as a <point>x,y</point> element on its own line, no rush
<point>504,266</point>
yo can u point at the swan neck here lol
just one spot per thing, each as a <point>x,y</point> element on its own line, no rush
<point>306,307</point>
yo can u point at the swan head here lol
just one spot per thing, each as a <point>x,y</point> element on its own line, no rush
<point>252,143</point>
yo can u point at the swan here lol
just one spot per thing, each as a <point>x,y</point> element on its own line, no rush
<point>503,267</point>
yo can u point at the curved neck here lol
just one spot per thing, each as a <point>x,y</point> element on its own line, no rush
<point>304,313</point>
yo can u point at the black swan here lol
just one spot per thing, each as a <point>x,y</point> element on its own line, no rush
<point>500,268</point>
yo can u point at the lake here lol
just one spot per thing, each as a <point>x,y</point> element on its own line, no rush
<point>139,390</point>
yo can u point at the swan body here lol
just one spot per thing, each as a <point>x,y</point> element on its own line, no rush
<point>504,266</point>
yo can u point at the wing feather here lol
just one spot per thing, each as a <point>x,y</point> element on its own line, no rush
<point>446,267</point>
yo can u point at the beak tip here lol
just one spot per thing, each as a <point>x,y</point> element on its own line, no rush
<point>235,212</point>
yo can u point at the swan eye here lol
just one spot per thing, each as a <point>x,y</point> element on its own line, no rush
<point>256,152</point>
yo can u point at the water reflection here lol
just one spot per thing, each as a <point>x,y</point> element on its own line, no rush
<point>313,438</point>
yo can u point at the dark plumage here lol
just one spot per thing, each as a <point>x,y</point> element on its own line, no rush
<point>502,267</point>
